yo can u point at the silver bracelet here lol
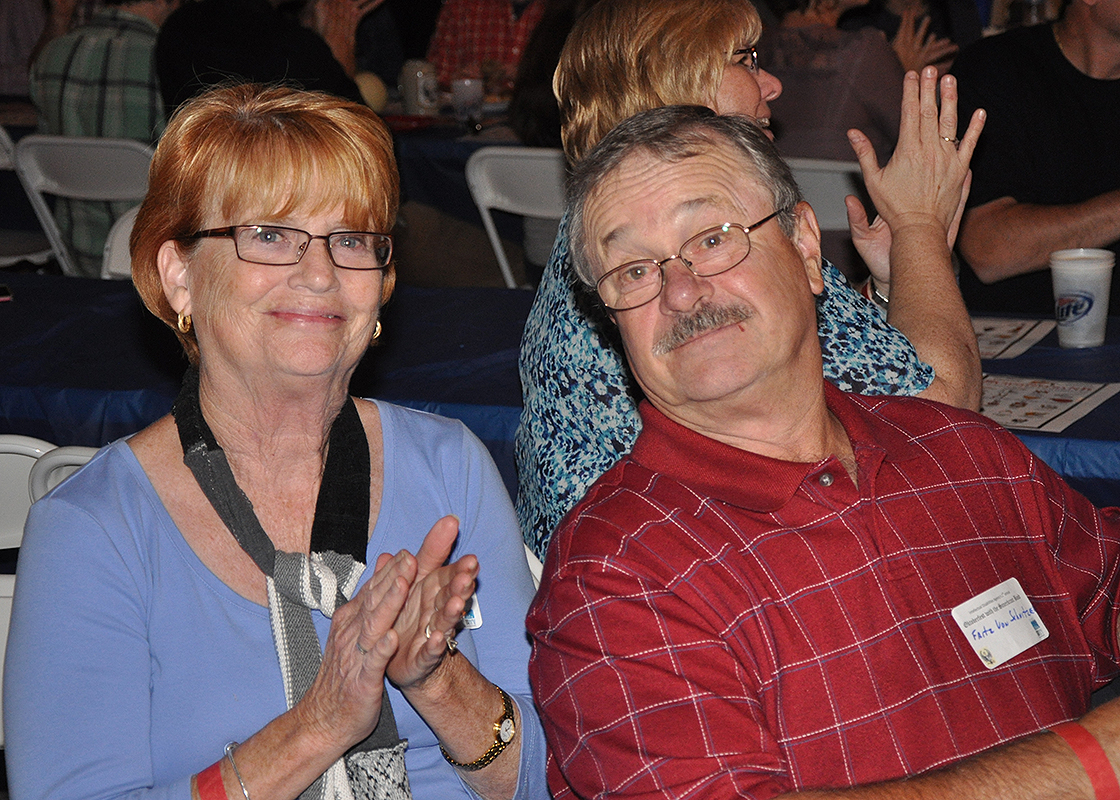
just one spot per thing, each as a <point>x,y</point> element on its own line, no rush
<point>877,297</point>
<point>236,771</point>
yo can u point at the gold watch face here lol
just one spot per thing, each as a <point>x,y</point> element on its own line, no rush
<point>505,730</point>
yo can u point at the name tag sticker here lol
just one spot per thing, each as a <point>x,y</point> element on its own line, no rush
<point>472,617</point>
<point>1000,623</point>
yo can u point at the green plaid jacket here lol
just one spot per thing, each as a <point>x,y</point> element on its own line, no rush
<point>98,80</point>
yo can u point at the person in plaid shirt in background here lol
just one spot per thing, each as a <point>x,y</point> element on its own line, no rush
<point>785,587</point>
<point>100,80</point>
<point>483,39</point>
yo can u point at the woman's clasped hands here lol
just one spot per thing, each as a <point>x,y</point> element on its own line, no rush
<point>437,600</point>
<point>397,626</point>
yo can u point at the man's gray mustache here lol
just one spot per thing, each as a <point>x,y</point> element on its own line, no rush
<point>706,318</point>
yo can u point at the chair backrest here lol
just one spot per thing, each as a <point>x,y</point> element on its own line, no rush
<point>79,168</point>
<point>18,455</point>
<point>522,180</point>
<point>535,566</point>
<point>117,261</point>
<point>55,465</point>
<point>825,184</point>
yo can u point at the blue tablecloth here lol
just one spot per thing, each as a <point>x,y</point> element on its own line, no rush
<point>1087,453</point>
<point>433,164</point>
<point>433,171</point>
<point>82,362</point>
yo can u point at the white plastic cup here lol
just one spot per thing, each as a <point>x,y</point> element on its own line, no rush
<point>466,98</point>
<point>1082,281</point>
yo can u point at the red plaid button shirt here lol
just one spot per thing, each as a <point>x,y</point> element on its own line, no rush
<point>714,624</point>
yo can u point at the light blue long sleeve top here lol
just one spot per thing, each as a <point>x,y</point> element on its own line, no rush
<point>130,664</point>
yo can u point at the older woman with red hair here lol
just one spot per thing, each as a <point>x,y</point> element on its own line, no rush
<point>215,578</point>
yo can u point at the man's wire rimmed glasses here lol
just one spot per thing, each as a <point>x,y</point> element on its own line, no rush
<point>280,246</point>
<point>708,253</point>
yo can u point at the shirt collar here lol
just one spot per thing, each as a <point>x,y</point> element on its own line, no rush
<point>709,467</point>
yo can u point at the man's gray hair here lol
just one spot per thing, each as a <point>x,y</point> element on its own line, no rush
<point>672,134</point>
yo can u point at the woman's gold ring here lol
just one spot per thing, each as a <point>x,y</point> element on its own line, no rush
<point>452,645</point>
<point>953,140</point>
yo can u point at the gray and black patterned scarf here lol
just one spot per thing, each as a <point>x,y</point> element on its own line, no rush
<point>297,583</point>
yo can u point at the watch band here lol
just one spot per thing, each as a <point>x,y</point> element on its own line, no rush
<point>504,731</point>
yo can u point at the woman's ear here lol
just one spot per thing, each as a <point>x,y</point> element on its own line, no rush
<point>173,277</point>
<point>388,282</point>
<point>807,240</point>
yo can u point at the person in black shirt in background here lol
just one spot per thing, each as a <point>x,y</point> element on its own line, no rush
<point>214,41</point>
<point>1046,174</point>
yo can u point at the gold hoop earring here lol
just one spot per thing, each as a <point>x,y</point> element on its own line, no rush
<point>376,331</point>
<point>184,323</point>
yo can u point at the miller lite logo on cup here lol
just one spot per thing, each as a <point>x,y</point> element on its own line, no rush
<point>1072,307</point>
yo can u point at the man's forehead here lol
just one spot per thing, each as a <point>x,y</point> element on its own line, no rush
<point>716,174</point>
<point>716,158</point>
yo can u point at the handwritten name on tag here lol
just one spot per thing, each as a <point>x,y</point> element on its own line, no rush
<point>1000,623</point>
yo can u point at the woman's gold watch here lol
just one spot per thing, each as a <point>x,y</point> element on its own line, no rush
<point>504,730</point>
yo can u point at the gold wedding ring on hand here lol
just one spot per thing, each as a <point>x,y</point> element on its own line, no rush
<point>451,644</point>
<point>953,140</point>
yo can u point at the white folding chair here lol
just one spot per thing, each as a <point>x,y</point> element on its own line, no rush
<point>522,180</point>
<point>17,246</point>
<point>825,184</point>
<point>55,465</point>
<point>79,168</point>
<point>535,566</point>
<point>117,262</point>
<point>18,455</point>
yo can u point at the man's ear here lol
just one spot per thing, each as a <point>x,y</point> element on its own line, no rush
<point>807,240</point>
<point>173,277</point>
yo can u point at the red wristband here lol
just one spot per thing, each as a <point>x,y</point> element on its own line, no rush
<point>1092,757</point>
<point>211,787</point>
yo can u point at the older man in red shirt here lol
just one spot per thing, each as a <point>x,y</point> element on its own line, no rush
<point>786,588</point>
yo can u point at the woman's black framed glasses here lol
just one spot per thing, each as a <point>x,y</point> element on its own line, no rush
<point>281,246</point>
